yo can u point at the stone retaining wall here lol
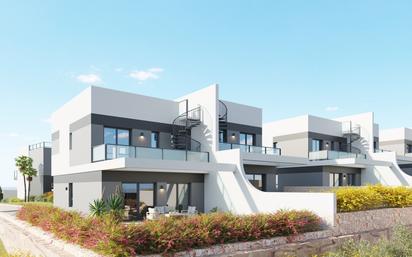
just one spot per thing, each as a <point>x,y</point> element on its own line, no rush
<point>366,225</point>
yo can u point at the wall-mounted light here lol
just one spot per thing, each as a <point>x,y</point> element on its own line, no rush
<point>233,135</point>
<point>141,135</point>
<point>327,145</point>
<point>161,188</point>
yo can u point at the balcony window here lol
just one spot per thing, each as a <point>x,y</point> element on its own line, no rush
<point>154,140</point>
<point>123,137</point>
<point>316,145</point>
<point>247,139</point>
<point>222,136</point>
<point>116,136</point>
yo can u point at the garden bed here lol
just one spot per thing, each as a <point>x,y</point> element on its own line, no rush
<point>167,235</point>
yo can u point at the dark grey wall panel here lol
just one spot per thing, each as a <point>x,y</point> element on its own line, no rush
<point>120,122</point>
<point>137,176</point>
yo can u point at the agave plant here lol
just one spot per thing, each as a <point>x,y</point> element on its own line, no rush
<point>115,205</point>
<point>98,208</point>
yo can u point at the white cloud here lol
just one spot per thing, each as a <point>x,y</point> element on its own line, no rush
<point>13,134</point>
<point>142,75</point>
<point>89,78</point>
<point>331,108</point>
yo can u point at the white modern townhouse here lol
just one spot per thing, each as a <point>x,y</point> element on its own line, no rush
<point>399,141</point>
<point>340,152</point>
<point>43,182</point>
<point>198,151</point>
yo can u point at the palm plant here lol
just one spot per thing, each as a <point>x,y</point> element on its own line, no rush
<point>115,205</point>
<point>98,208</point>
<point>25,166</point>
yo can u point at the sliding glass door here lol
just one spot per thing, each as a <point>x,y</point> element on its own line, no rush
<point>138,197</point>
<point>178,196</point>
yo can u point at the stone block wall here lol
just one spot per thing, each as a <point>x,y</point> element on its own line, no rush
<point>365,225</point>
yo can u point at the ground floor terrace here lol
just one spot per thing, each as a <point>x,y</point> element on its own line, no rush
<point>140,190</point>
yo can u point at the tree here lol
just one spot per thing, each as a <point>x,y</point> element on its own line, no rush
<point>30,173</point>
<point>1,194</point>
<point>25,166</point>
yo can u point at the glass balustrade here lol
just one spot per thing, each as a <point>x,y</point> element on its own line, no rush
<point>110,152</point>
<point>250,149</point>
<point>333,155</point>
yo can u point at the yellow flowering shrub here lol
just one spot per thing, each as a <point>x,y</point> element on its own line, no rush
<point>357,199</point>
<point>372,197</point>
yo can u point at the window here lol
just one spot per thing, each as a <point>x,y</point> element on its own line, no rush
<point>316,145</point>
<point>247,139</point>
<point>123,137</point>
<point>110,136</point>
<point>409,148</point>
<point>70,194</point>
<point>70,141</point>
<point>222,136</point>
<point>114,136</point>
<point>256,180</point>
<point>154,140</point>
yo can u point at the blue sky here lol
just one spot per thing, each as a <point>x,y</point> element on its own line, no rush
<point>327,58</point>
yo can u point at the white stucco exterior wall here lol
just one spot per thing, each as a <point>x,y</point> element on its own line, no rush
<point>243,114</point>
<point>366,122</point>
<point>386,175</point>
<point>208,132</point>
<point>229,190</point>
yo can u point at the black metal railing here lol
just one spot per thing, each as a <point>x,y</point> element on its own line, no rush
<point>40,145</point>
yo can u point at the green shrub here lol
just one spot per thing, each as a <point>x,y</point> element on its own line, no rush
<point>372,197</point>
<point>167,235</point>
<point>98,208</point>
<point>12,200</point>
<point>400,245</point>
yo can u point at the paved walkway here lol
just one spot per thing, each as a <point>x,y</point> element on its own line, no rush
<point>21,236</point>
<point>9,209</point>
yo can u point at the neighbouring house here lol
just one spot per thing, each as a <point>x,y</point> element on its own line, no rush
<point>398,140</point>
<point>340,152</point>
<point>43,182</point>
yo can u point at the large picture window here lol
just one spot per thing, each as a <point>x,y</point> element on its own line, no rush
<point>116,136</point>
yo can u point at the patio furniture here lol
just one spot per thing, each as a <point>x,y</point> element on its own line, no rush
<point>191,210</point>
<point>152,214</point>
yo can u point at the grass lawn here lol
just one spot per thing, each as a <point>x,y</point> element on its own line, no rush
<point>3,252</point>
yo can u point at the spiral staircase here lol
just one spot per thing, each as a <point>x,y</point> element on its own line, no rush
<point>182,125</point>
